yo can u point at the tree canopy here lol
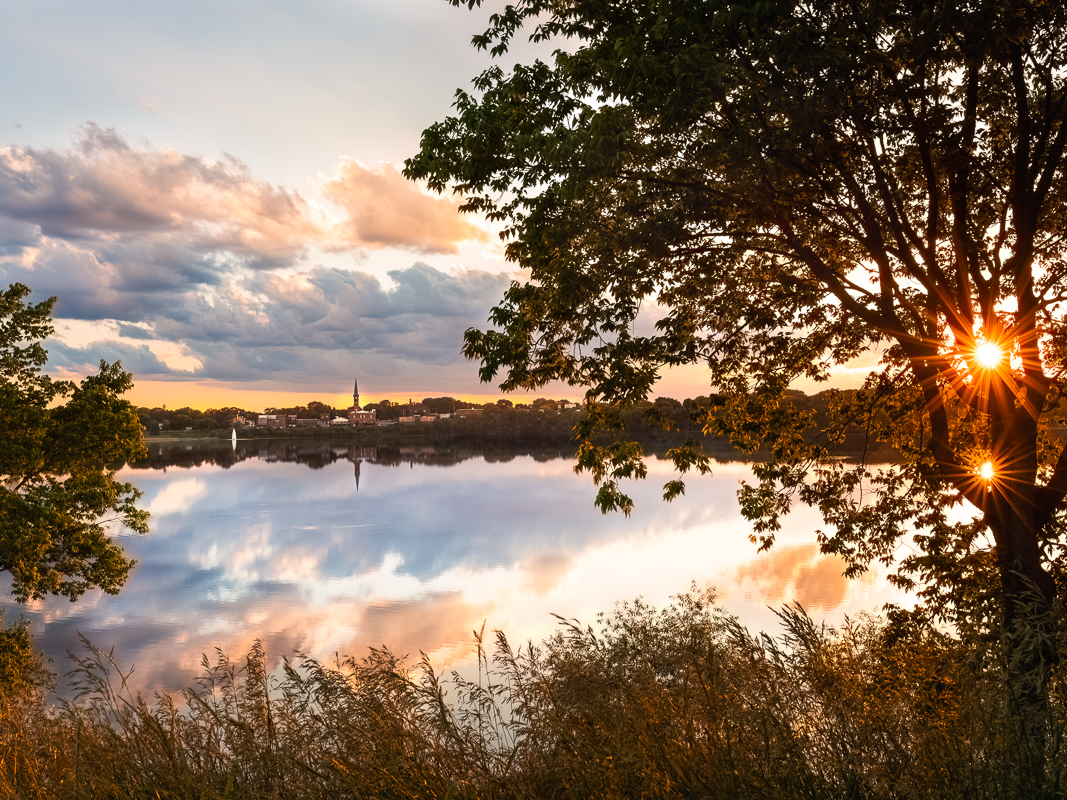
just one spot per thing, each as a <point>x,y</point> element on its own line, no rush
<point>58,444</point>
<point>790,186</point>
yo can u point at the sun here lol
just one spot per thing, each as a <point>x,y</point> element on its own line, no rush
<point>989,355</point>
<point>986,471</point>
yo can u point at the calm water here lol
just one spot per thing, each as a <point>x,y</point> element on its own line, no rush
<point>332,549</point>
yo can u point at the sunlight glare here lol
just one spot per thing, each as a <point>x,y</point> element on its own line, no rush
<point>986,471</point>
<point>989,355</point>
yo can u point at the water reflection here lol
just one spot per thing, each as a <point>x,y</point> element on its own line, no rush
<point>413,547</point>
<point>320,453</point>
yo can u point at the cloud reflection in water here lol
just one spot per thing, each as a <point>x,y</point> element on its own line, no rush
<point>254,544</point>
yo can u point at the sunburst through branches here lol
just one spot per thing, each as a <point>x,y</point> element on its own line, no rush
<point>989,355</point>
<point>987,472</point>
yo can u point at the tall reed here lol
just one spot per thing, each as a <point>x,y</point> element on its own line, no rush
<point>672,703</point>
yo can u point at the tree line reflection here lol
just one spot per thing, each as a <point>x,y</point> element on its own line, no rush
<point>318,453</point>
<point>321,453</point>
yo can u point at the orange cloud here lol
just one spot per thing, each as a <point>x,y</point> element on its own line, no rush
<point>387,210</point>
<point>799,573</point>
<point>440,625</point>
<point>545,572</point>
<point>106,190</point>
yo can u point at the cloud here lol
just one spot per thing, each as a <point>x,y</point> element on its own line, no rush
<point>386,210</point>
<point>798,573</point>
<point>192,267</point>
<point>138,359</point>
<point>178,496</point>
<point>302,326</point>
<point>128,233</point>
<point>546,571</point>
<point>275,320</point>
<point>157,203</point>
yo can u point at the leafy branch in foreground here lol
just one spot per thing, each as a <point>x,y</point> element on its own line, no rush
<point>58,440</point>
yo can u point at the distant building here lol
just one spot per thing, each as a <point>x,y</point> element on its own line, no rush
<point>468,412</point>
<point>358,417</point>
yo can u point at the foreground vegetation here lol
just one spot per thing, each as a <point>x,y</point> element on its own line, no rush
<point>682,702</point>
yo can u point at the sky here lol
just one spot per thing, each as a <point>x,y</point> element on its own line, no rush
<point>213,192</point>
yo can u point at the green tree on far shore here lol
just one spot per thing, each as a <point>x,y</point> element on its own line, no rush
<point>58,442</point>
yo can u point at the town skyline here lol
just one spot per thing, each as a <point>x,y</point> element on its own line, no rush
<point>158,396</point>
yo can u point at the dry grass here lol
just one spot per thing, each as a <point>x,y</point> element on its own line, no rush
<point>681,702</point>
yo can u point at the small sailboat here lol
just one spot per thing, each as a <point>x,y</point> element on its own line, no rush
<point>233,439</point>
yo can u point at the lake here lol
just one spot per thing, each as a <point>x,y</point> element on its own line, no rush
<point>330,548</point>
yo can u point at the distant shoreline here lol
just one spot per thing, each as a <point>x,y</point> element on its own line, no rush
<point>426,434</point>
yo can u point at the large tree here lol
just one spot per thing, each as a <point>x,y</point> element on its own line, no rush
<point>59,444</point>
<point>793,185</point>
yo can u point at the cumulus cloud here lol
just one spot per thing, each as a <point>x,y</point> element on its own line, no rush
<point>195,267</point>
<point>311,323</point>
<point>386,210</point>
<point>128,233</point>
<point>164,203</point>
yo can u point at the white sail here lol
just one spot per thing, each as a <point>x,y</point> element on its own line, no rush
<point>233,439</point>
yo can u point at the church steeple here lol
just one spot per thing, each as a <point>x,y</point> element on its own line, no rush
<point>355,394</point>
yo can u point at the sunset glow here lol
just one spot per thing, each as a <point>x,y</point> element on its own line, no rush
<point>203,395</point>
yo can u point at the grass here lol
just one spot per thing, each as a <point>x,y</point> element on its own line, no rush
<point>673,703</point>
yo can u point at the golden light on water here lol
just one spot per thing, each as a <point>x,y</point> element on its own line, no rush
<point>986,471</point>
<point>989,355</point>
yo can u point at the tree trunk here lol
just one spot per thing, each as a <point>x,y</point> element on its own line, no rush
<point>1028,594</point>
<point>1028,591</point>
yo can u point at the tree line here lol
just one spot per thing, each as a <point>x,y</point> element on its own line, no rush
<point>643,416</point>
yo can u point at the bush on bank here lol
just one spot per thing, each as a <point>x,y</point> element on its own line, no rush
<point>680,702</point>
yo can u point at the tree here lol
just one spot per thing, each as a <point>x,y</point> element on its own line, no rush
<point>439,405</point>
<point>316,409</point>
<point>179,422</point>
<point>796,185</point>
<point>58,444</point>
<point>544,405</point>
